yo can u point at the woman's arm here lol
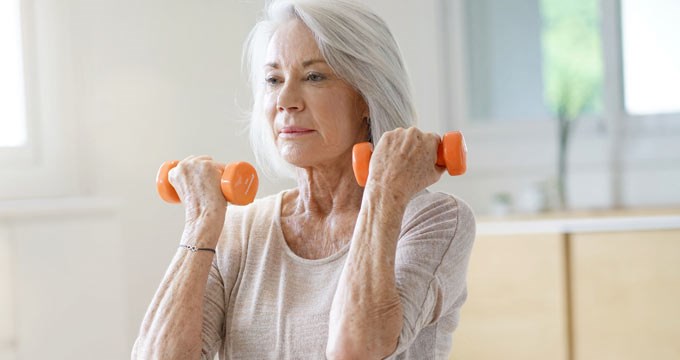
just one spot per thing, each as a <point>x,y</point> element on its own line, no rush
<point>366,315</point>
<point>173,325</point>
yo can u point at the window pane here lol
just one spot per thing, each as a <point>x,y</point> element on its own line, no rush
<point>12,102</point>
<point>504,79</point>
<point>533,59</point>
<point>572,57</point>
<point>651,55</point>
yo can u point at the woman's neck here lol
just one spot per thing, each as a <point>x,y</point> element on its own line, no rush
<point>323,192</point>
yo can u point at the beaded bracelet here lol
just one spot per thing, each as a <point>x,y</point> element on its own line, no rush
<point>194,248</point>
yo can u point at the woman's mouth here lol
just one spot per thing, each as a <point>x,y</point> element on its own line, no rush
<point>289,132</point>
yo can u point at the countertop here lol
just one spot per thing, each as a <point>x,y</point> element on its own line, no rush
<point>581,221</point>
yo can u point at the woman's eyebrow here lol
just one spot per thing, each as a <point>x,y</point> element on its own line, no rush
<point>306,63</point>
<point>312,62</point>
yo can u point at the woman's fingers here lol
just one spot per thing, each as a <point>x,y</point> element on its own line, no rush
<point>405,160</point>
<point>197,181</point>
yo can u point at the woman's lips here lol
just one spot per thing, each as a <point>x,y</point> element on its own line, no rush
<point>294,131</point>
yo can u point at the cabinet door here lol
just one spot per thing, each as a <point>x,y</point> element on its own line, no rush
<point>627,295</point>
<point>516,306</point>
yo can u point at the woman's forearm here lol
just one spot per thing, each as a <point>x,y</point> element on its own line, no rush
<point>366,314</point>
<point>172,326</point>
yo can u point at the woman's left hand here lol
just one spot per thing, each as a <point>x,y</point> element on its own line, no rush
<point>403,162</point>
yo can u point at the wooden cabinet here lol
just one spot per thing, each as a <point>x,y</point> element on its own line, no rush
<point>572,295</point>
<point>626,296</point>
<point>516,305</point>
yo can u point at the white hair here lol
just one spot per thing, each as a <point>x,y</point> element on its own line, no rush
<point>356,44</point>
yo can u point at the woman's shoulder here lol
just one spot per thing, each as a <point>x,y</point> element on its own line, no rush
<point>243,223</point>
<point>260,209</point>
<point>439,202</point>
<point>254,220</point>
<point>431,210</point>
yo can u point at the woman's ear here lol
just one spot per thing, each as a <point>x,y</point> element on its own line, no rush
<point>367,119</point>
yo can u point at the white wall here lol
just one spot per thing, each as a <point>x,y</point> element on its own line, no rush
<point>63,288</point>
<point>155,80</point>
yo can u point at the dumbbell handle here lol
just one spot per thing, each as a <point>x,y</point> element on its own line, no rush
<point>239,183</point>
<point>451,153</point>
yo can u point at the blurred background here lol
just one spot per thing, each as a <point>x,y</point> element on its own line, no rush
<point>571,112</point>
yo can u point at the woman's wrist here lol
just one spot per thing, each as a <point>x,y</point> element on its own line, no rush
<point>386,197</point>
<point>194,249</point>
<point>380,219</point>
<point>204,230</point>
<point>204,212</point>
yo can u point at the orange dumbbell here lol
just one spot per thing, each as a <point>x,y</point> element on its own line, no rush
<point>239,183</point>
<point>451,154</point>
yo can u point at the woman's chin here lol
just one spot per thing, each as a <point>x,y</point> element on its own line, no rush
<point>310,155</point>
<point>297,157</point>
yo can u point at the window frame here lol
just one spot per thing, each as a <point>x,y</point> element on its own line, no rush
<point>46,165</point>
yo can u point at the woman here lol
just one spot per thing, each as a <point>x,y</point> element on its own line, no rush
<point>328,269</point>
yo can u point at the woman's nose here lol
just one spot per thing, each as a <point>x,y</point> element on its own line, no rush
<point>289,98</point>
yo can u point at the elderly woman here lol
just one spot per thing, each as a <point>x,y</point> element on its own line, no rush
<point>327,269</point>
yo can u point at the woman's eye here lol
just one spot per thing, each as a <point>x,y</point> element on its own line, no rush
<point>315,77</point>
<point>271,80</point>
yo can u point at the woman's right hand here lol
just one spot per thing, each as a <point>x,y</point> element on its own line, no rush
<point>404,161</point>
<point>197,182</point>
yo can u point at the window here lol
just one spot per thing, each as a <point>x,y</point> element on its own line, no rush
<point>531,59</point>
<point>525,61</point>
<point>37,98</point>
<point>503,60</point>
<point>13,105</point>
<point>651,56</point>
<point>572,57</point>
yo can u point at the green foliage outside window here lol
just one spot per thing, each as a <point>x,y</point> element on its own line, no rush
<point>572,54</point>
<point>572,69</point>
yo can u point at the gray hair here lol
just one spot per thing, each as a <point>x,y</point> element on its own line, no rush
<point>356,44</point>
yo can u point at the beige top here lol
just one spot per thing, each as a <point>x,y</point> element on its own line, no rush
<point>264,302</point>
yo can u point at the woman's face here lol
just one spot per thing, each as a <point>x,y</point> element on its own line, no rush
<point>315,116</point>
